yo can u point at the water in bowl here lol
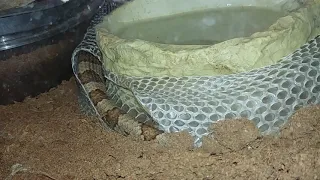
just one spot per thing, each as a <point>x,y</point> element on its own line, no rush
<point>202,27</point>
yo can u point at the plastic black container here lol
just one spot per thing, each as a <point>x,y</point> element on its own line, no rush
<point>36,44</point>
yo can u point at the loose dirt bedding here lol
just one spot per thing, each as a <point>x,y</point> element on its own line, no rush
<point>47,137</point>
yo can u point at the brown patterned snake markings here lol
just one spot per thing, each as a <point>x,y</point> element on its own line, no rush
<point>91,76</point>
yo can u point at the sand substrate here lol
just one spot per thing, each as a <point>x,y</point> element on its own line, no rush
<point>47,137</point>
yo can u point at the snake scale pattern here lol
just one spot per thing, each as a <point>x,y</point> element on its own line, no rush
<point>92,84</point>
<point>268,96</point>
<point>92,78</point>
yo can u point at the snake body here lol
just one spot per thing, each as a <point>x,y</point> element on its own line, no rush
<point>90,74</point>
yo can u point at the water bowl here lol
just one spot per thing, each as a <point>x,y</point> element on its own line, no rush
<point>190,38</point>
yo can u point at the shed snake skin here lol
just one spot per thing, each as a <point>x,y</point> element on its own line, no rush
<point>90,75</point>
